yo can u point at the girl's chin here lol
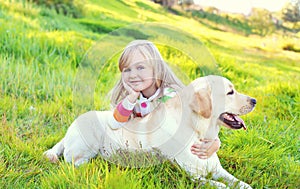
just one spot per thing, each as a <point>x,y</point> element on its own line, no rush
<point>137,89</point>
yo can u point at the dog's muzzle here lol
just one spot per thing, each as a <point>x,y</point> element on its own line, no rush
<point>232,121</point>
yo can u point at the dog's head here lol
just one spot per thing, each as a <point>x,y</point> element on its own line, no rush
<point>215,98</point>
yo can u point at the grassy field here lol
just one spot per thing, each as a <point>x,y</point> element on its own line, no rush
<point>42,53</point>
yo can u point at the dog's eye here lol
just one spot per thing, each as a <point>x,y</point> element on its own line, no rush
<point>231,92</point>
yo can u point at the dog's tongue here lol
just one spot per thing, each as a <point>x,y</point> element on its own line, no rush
<point>238,119</point>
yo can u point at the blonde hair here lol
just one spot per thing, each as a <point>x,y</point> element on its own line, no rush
<point>163,74</point>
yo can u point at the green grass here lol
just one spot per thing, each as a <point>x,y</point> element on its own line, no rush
<point>40,56</point>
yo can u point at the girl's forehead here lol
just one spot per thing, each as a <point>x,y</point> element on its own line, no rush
<point>135,55</point>
<point>136,58</point>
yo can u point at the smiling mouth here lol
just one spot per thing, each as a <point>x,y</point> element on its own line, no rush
<point>135,82</point>
<point>232,121</point>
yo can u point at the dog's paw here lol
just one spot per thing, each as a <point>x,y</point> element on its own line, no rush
<point>52,157</point>
<point>243,185</point>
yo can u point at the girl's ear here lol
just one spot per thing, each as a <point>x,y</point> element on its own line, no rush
<point>201,103</point>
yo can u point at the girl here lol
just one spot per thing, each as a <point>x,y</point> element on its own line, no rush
<point>146,79</point>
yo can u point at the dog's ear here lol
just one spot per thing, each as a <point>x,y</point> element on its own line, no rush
<point>201,103</point>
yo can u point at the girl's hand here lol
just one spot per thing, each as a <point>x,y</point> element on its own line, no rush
<point>133,95</point>
<point>206,148</point>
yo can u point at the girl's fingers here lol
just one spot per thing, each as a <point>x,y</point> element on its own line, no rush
<point>198,151</point>
<point>201,146</point>
<point>132,94</point>
<point>198,147</point>
<point>126,86</point>
<point>200,154</point>
<point>206,148</point>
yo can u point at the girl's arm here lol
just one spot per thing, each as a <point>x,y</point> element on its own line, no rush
<point>122,113</point>
<point>125,108</point>
<point>206,148</point>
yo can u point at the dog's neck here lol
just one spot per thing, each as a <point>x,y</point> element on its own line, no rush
<point>205,128</point>
<point>213,129</point>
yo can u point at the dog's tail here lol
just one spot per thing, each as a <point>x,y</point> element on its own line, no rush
<point>53,153</point>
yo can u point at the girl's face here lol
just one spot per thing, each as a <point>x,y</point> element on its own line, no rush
<point>139,75</point>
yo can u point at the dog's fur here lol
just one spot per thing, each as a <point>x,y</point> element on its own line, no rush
<point>173,127</point>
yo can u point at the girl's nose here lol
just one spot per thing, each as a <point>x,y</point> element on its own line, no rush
<point>133,73</point>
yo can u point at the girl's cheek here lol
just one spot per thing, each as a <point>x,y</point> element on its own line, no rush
<point>125,77</point>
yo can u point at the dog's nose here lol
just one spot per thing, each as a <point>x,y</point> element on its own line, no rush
<point>253,101</point>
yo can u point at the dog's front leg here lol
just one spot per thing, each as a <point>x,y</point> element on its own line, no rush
<point>230,179</point>
<point>204,181</point>
<point>53,153</point>
<point>200,168</point>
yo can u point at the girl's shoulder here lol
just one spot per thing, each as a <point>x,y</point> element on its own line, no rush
<point>167,94</point>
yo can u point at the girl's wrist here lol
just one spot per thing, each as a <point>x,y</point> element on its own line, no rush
<point>127,104</point>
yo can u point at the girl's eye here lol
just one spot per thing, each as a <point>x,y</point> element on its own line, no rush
<point>140,67</point>
<point>126,70</point>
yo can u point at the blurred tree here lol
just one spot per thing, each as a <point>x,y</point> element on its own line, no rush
<point>165,3</point>
<point>66,7</point>
<point>171,3</point>
<point>185,2</point>
<point>291,12</point>
<point>261,22</point>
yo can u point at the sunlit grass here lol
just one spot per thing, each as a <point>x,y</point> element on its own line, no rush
<point>40,54</point>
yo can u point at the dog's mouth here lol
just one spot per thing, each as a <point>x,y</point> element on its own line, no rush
<point>232,121</point>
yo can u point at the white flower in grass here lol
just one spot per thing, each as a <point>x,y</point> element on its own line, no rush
<point>31,108</point>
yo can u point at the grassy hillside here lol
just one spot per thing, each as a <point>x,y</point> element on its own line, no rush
<point>42,53</point>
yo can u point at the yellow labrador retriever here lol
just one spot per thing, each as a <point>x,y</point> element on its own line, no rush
<point>173,127</point>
